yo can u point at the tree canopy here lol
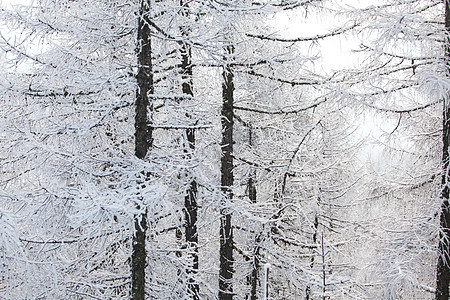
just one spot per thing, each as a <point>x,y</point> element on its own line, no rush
<point>219,149</point>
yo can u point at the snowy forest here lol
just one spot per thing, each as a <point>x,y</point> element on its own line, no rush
<point>225,149</point>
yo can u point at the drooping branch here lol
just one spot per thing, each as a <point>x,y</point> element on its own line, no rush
<point>281,111</point>
<point>404,110</point>
<point>305,39</point>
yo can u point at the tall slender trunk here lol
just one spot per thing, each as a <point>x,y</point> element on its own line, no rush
<point>443,265</point>
<point>190,199</point>
<point>253,280</point>
<point>314,241</point>
<point>143,142</point>
<point>227,179</point>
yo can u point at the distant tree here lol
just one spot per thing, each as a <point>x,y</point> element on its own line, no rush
<point>405,80</point>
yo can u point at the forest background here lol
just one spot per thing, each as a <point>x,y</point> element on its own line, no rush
<point>172,149</point>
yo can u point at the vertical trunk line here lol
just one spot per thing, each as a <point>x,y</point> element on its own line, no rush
<point>227,180</point>
<point>314,241</point>
<point>143,142</point>
<point>324,283</point>
<point>253,280</point>
<point>190,200</point>
<point>443,268</point>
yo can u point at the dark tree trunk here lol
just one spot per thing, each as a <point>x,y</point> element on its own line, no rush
<point>226,229</point>
<point>143,142</point>
<point>253,280</point>
<point>190,200</point>
<point>255,270</point>
<point>443,265</point>
<point>314,241</point>
<point>138,258</point>
<point>192,238</point>
<point>443,270</point>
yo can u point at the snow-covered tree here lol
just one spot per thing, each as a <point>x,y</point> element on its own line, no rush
<point>404,78</point>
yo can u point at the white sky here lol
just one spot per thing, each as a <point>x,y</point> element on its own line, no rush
<point>14,2</point>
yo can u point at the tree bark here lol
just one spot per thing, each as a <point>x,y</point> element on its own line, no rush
<point>253,280</point>
<point>314,241</point>
<point>227,179</point>
<point>143,142</point>
<point>443,267</point>
<point>190,200</point>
